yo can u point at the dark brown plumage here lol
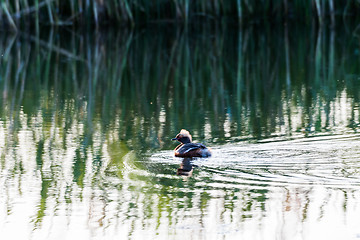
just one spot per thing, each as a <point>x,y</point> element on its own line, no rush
<point>189,149</point>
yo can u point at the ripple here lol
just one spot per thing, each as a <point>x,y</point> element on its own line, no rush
<point>330,161</point>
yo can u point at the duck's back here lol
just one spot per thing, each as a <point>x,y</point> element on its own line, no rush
<point>192,150</point>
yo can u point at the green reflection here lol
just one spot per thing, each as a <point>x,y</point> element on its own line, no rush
<point>240,85</point>
<point>83,112</point>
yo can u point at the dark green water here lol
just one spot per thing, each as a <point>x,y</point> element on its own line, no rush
<point>86,121</point>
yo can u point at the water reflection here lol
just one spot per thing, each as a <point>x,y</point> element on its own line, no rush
<point>186,167</point>
<point>86,119</point>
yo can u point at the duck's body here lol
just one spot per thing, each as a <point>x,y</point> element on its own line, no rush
<point>188,148</point>
<point>192,150</point>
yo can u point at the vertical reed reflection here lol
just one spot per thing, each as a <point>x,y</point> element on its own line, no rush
<point>79,113</point>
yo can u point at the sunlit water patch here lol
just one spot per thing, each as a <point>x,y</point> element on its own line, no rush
<point>329,161</point>
<point>278,189</point>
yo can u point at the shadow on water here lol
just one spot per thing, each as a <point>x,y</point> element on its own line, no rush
<point>86,122</point>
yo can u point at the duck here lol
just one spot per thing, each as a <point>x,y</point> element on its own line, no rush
<point>187,148</point>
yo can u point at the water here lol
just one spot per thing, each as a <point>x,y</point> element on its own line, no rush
<point>301,189</point>
<point>86,121</point>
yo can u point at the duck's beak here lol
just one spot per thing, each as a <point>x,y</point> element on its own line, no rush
<point>173,139</point>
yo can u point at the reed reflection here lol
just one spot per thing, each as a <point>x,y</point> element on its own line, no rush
<point>81,113</point>
<point>235,94</point>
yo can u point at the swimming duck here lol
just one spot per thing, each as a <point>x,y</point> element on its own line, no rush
<point>188,148</point>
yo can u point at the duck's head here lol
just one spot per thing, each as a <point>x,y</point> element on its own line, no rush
<point>183,137</point>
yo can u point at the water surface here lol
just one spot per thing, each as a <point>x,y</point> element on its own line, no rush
<point>86,121</point>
